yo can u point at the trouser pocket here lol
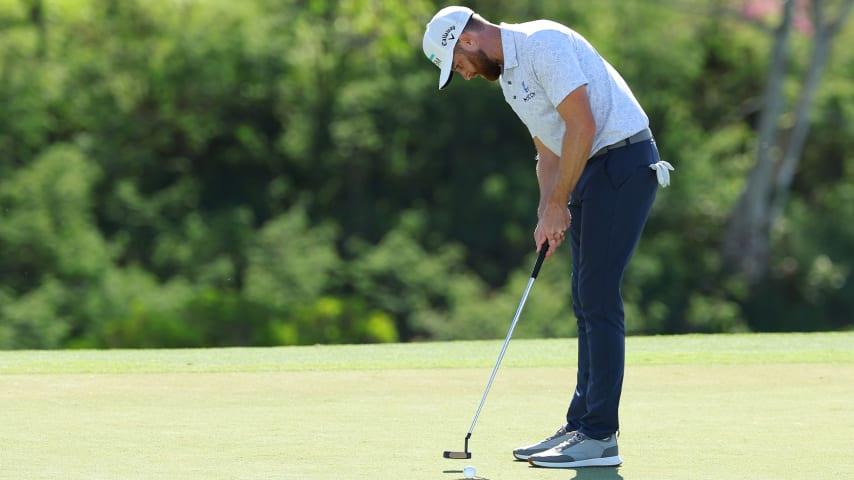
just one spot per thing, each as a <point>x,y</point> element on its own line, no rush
<point>623,163</point>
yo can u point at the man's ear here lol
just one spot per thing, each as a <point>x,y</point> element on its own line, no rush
<point>467,41</point>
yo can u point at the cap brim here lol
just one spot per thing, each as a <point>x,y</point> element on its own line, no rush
<point>445,75</point>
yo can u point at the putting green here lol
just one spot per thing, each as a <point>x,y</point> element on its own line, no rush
<point>694,407</point>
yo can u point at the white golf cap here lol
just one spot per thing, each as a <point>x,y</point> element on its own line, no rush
<point>441,36</point>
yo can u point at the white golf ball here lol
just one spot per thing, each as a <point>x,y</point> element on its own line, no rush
<point>469,471</point>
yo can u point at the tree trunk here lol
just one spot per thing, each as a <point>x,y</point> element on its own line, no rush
<point>824,34</point>
<point>747,238</point>
<point>747,241</point>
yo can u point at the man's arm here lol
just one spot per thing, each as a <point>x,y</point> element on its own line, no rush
<point>547,166</point>
<point>559,180</point>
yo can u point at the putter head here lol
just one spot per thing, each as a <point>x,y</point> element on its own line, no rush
<point>457,455</point>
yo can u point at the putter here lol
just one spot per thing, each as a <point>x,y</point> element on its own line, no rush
<point>465,453</point>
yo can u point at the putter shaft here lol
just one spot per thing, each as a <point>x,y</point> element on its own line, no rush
<point>534,273</point>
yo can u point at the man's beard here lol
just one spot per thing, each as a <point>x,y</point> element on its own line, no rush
<point>486,67</point>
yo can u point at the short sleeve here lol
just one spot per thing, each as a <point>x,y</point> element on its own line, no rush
<point>555,64</point>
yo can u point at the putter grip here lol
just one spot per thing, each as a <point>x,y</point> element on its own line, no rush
<point>540,258</point>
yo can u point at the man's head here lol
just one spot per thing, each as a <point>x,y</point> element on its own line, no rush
<point>456,40</point>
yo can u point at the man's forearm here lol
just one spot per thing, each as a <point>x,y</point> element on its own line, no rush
<point>575,149</point>
<point>547,176</point>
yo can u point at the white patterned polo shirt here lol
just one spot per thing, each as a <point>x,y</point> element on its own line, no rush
<point>544,62</point>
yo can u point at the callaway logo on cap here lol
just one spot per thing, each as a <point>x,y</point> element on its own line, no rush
<point>441,36</point>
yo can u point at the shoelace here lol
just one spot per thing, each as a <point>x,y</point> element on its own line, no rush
<point>560,431</point>
<point>662,171</point>
<point>575,439</point>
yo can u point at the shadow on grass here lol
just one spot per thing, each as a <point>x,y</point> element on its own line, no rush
<point>587,473</point>
<point>597,473</point>
<point>476,477</point>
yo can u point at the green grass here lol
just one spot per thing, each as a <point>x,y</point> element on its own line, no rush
<point>747,349</point>
<point>694,407</point>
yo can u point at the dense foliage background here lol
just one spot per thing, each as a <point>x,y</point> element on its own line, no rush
<point>211,172</point>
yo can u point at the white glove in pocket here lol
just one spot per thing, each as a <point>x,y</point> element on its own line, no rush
<point>662,171</point>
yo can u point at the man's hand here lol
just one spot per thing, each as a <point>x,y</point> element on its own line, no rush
<point>552,227</point>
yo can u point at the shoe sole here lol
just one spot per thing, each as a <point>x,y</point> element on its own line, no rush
<point>524,458</point>
<point>592,462</point>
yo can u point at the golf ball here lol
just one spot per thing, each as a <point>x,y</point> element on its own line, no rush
<point>469,471</point>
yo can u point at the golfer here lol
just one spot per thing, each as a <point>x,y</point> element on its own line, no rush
<point>597,166</point>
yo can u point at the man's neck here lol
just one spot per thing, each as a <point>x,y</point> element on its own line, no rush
<point>495,49</point>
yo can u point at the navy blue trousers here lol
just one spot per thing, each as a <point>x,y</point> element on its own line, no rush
<point>609,207</point>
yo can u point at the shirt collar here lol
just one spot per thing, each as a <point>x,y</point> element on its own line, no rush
<point>508,45</point>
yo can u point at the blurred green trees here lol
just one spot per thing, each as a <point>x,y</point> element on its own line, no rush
<point>205,173</point>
